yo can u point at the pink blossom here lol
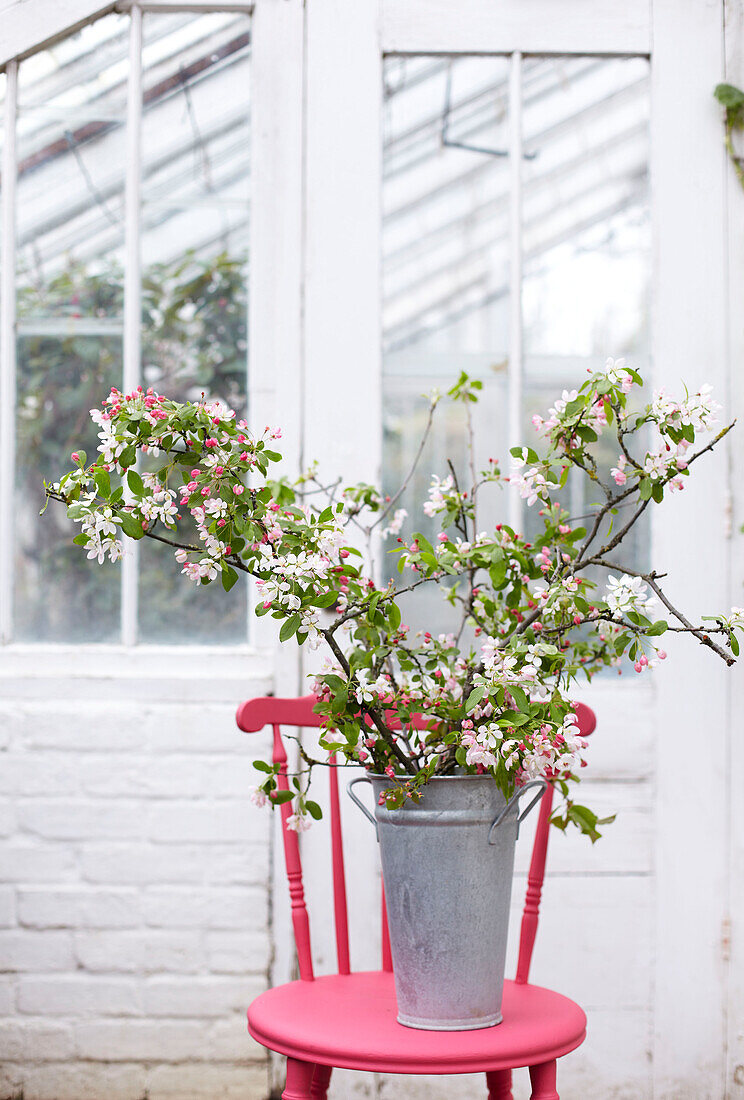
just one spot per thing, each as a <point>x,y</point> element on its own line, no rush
<point>238,490</point>
<point>618,472</point>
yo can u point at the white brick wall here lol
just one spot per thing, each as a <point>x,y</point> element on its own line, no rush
<point>134,899</point>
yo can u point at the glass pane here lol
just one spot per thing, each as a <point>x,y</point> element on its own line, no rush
<point>71,151</point>
<point>60,596</point>
<point>195,237</point>
<point>587,234</point>
<point>71,140</point>
<point>445,273</point>
<point>195,136</point>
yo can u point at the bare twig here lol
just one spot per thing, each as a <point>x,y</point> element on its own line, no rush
<point>404,485</point>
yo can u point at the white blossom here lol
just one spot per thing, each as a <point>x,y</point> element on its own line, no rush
<point>627,594</point>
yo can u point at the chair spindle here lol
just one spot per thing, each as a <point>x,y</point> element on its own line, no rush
<point>387,955</point>
<point>300,919</point>
<point>534,888</point>
<point>340,912</point>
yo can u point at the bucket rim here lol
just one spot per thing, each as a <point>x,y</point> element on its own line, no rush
<point>434,778</point>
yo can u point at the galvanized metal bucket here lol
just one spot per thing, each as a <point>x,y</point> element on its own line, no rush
<point>447,865</point>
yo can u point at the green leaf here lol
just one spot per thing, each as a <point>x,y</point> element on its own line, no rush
<point>474,698</point>
<point>531,456</point>
<point>128,456</point>
<point>131,526</point>
<point>289,627</point>
<point>586,820</point>
<point>103,483</point>
<point>657,628</point>
<point>394,616</point>
<point>424,545</point>
<point>728,95</point>
<point>313,809</point>
<point>645,488</point>
<point>228,577</point>
<point>262,766</point>
<point>497,572</point>
<point>135,482</point>
<point>282,796</point>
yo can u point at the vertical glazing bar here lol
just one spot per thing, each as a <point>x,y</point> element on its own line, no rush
<point>8,354</point>
<point>132,290</point>
<point>515,272</point>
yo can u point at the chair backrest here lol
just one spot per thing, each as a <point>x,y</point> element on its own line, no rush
<point>253,716</point>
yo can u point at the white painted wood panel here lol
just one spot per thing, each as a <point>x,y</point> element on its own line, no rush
<point>626,846</point>
<point>342,377</point>
<point>734,20</point>
<point>28,25</point>
<point>275,289</point>
<point>501,26</point>
<point>275,333</point>
<point>689,344</point>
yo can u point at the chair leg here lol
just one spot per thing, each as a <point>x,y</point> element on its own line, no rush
<point>321,1081</point>
<point>299,1080</point>
<point>499,1083</point>
<point>543,1081</point>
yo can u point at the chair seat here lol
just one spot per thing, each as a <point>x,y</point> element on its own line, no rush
<point>349,1021</point>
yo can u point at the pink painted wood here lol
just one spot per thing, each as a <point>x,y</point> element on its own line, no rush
<point>348,1019</point>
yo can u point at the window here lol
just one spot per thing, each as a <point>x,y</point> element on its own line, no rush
<point>131,246</point>
<point>516,246</point>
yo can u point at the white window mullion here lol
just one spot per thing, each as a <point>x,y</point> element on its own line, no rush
<point>515,272</point>
<point>8,355</point>
<point>132,351</point>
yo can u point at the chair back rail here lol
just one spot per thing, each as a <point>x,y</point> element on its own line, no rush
<point>253,716</point>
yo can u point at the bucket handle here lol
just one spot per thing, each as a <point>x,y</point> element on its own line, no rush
<point>515,798</point>
<point>355,798</point>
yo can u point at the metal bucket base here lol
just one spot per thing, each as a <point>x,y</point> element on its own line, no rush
<point>451,1025</point>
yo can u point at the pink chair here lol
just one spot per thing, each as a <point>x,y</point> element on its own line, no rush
<point>348,1020</point>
